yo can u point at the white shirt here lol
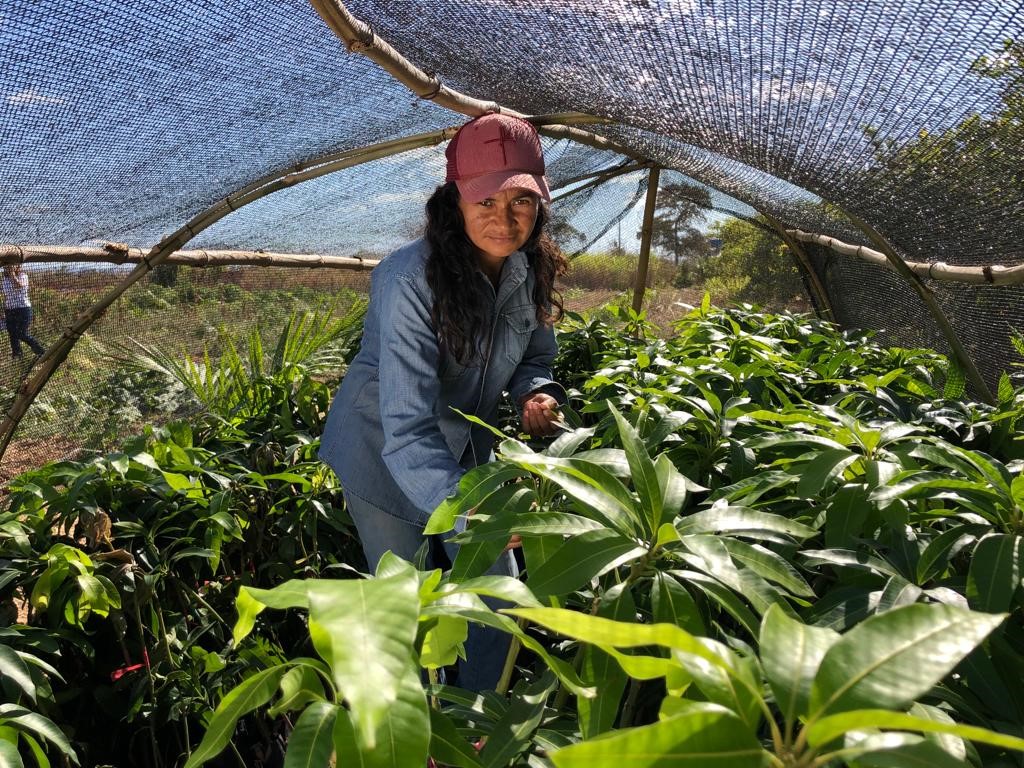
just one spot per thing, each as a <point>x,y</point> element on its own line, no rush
<point>15,291</point>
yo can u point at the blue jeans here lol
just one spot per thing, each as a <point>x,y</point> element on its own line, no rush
<point>486,648</point>
<point>18,320</point>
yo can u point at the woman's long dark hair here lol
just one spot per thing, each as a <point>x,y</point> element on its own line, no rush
<point>460,307</point>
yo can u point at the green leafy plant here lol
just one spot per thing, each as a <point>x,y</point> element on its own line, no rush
<point>363,699</point>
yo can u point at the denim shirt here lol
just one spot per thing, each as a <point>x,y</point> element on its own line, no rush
<point>391,435</point>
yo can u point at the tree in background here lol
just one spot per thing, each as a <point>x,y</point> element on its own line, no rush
<point>753,265</point>
<point>972,165</point>
<point>680,208</point>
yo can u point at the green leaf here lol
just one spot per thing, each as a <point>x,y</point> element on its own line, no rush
<point>956,382</point>
<point>817,475</point>
<point>711,555</point>
<point>845,558</point>
<point>791,653</point>
<point>846,514</point>
<point>528,524</point>
<point>645,476</point>
<point>311,741</point>
<point>346,749</point>
<point>502,587</point>
<point>506,503</point>
<point>253,692</point>
<point>722,595</point>
<point>895,749</point>
<point>832,727</point>
<point>472,608</point>
<point>741,520</point>
<point>580,559</point>
<point>898,591</point>
<point>9,757</point>
<point>935,557</point>
<point>997,565</point>
<point>601,670</point>
<point>567,443</point>
<point>892,658</point>
<point>365,631</point>
<point>511,734</point>
<point>34,723</point>
<point>768,565</point>
<point>447,746</point>
<point>672,603</point>
<point>402,737</point>
<point>673,487</point>
<point>442,641</point>
<point>701,738</point>
<point>252,601</point>
<point>734,683</point>
<point>537,550</point>
<point>474,486</point>
<point>588,483</point>
<point>606,633</point>
<point>38,753</point>
<point>300,686</point>
<point>14,669</point>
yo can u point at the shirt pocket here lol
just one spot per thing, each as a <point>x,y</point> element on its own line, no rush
<point>519,325</point>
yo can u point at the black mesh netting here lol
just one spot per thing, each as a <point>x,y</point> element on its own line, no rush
<point>120,121</point>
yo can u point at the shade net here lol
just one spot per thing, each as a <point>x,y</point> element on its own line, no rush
<point>120,121</point>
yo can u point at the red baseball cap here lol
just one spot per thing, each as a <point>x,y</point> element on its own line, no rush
<point>495,152</point>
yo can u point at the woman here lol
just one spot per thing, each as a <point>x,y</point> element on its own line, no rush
<point>18,309</point>
<point>455,319</point>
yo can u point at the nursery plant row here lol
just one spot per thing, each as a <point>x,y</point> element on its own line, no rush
<point>759,541</point>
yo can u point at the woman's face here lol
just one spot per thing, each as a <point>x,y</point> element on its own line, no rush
<point>500,225</point>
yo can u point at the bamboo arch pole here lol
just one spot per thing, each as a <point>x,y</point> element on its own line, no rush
<point>359,38</point>
<point>59,350</point>
<point>596,179</point>
<point>960,352</point>
<point>118,253</point>
<point>819,294</point>
<point>992,274</point>
<point>646,235</point>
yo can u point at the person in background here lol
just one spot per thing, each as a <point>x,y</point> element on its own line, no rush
<point>18,309</point>
<point>455,319</point>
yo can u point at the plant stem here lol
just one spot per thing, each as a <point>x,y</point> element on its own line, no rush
<point>149,673</point>
<point>510,661</point>
<point>432,677</point>
<point>238,755</point>
<point>777,741</point>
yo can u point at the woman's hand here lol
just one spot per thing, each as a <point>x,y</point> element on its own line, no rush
<point>540,415</point>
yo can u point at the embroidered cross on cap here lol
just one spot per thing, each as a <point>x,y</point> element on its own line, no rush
<point>496,152</point>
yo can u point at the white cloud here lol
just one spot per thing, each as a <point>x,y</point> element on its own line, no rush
<point>32,96</point>
<point>777,89</point>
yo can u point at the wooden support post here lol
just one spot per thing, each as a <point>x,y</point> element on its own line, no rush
<point>640,284</point>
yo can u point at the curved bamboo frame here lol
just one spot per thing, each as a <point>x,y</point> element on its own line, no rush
<point>598,178</point>
<point>993,274</point>
<point>819,296</point>
<point>956,346</point>
<point>118,253</point>
<point>359,38</point>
